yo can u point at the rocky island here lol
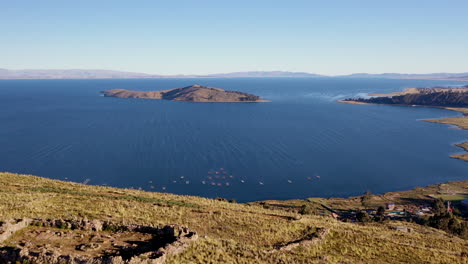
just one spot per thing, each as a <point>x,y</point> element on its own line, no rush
<point>451,98</point>
<point>192,93</point>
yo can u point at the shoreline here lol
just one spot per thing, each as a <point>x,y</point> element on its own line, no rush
<point>459,121</point>
<point>31,178</point>
<point>258,101</point>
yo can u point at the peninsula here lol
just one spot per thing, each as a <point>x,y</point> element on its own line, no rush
<point>451,98</point>
<point>192,93</point>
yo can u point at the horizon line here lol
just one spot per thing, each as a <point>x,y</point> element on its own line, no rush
<point>226,73</point>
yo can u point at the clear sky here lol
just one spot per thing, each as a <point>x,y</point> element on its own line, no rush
<point>200,37</point>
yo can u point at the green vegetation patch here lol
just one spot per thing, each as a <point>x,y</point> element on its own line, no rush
<point>453,197</point>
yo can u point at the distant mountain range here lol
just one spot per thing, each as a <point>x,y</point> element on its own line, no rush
<point>95,74</point>
<point>442,75</point>
<point>264,74</point>
<point>69,74</point>
<point>108,74</point>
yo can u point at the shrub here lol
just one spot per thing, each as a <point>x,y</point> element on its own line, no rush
<point>366,198</point>
<point>306,209</point>
<point>221,199</point>
<point>363,217</point>
<point>380,215</point>
<point>449,223</point>
<point>438,206</point>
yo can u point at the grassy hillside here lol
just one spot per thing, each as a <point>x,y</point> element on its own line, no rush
<point>231,232</point>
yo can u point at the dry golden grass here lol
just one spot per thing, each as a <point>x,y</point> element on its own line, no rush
<point>231,232</point>
<point>460,156</point>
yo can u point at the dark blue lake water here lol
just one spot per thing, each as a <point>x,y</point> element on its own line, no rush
<point>300,145</point>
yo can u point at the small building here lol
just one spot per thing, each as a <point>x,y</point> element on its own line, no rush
<point>396,213</point>
<point>425,209</point>
<point>390,206</point>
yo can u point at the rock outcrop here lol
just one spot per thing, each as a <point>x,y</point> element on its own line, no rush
<point>9,227</point>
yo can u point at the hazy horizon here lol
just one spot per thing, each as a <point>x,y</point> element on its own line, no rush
<point>222,73</point>
<point>209,37</point>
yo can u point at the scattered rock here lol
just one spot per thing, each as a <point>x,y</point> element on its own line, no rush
<point>402,228</point>
<point>87,247</point>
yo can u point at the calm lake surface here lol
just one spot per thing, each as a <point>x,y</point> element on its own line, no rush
<point>302,144</point>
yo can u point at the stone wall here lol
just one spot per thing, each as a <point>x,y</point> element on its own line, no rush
<point>9,227</point>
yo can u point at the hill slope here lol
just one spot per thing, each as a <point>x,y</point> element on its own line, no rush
<point>230,232</point>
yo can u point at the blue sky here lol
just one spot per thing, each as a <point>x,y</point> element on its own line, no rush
<point>200,37</point>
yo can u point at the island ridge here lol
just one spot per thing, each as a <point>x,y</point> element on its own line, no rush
<point>192,93</point>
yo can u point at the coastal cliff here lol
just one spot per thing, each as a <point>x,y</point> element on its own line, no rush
<point>435,96</point>
<point>193,93</point>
